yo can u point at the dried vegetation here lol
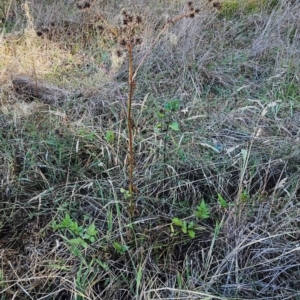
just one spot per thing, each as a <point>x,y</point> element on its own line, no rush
<point>234,73</point>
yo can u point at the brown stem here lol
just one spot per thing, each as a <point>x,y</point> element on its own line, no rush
<point>130,124</point>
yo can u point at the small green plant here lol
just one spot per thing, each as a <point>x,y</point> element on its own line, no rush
<point>109,136</point>
<point>125,193</point>
<point>172,105</point>
<point>84,133</point>
<point>244,196</point>
<point>166,116</point>
<point>222,201</point>
<point>231,7</point>
<point>2,279</point>
<point>121,249</point>
<point>83,278</point>
<point>186,227</point>
<point>81,236</point>
<point>167,123</point>
<point>202,211</point>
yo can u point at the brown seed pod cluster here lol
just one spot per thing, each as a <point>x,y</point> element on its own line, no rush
<point>84,4</point>
<point>217,5</point>
<point>43,31</point>
<point>129,37</point>
<point>192,11</point>
<point>119,53</point>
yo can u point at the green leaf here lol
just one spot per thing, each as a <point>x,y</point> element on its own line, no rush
<point>191,233</point>
<point>172,105</point>
<point>191,225</point>
<point>202,211</point>
<point>88,135</point>
<point>172,229</point>
<point>160,115</point>
<point>102,264</point>
<point>109,136</point>
<point>117,246</point>
<point>78,241</point>
<point>120,248</point>
<point>59,267</point>
<point>54,225</point>
<point>222,201</point>
<point>92,231</point>
<point>91,136</point>
<point>174,126</point>
<point>184,227</point>
<point>139,277</point>
<point>75,251</point>
<point>67,219</point>
<point>177,222</point>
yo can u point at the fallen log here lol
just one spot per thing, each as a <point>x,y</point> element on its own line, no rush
<point>33,89</point>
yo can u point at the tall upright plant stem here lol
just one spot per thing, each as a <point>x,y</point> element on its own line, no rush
<point>131,83</point>
<point>130,41</point>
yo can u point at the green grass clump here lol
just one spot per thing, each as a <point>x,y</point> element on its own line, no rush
<point>229,8</point>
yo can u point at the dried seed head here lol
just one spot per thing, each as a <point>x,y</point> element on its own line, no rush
<point>58,132</point>
<point>84,4</point>
<point>192,15</point>
<point>217,5</point>
<point>139,19</point>
<point>138,41</point>
<point>125,22</point>
<point>123,42</point>
<point>45,29</point>
<point>197,10</point>
<point>190,3</point>
<point>119,53</point>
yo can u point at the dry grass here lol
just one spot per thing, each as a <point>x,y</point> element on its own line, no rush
<point>236,79</point>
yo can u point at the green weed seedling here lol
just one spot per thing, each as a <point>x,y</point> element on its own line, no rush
<point>165,115</point>
<point>222,201</point>
<point>90,136</point>
<point>121,249</point>
<point>244,196</point>
<point>109,136</point>
<point>83,278</point>
<point>202,211</point>
<point>166,124</point>
<point>82,236</point>
<point>186,227</point>
<point>126,193</point>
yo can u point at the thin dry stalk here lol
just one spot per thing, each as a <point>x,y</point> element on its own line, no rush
<point>130,42</point>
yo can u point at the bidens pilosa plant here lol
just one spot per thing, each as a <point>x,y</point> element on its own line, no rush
<point>129,36</point>
<point>128,40</point>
